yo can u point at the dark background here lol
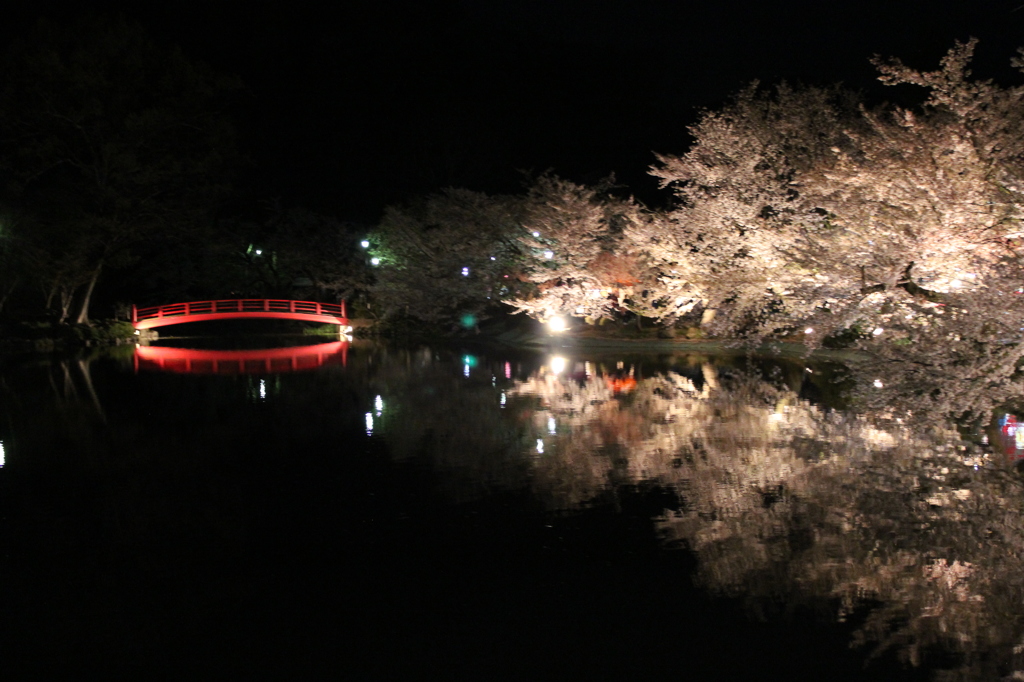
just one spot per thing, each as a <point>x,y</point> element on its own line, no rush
<point>353,105</point>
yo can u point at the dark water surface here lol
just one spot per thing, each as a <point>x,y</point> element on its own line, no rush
<point>393,514</point>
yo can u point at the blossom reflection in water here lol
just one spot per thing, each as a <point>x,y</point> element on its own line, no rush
<point>900,521</point>
<point>784,487</point>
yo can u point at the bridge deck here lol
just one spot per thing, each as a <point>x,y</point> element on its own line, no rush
<point>200,311</point>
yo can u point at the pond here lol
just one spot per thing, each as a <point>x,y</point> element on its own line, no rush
<point>379,512</point>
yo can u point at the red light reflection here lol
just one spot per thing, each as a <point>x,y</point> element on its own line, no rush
<point>1011,436</point>
<point>262,361</point>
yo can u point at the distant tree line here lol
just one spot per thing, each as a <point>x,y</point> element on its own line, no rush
<point>795,211</point>
<point>118,162</point>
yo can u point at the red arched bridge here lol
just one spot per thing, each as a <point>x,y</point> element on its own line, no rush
<point>201,311</point>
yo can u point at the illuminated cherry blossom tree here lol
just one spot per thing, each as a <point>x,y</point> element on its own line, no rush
<point>573,251</point>
<point>736,197</point>
<point>798,211</point>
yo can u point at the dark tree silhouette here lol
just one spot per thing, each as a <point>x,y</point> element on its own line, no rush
<point>110,139</point>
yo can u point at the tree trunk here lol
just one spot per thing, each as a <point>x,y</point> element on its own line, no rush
<point>7,294</point>
<point>906,283</point>
<point>83,310</point>
<point>66,297</point>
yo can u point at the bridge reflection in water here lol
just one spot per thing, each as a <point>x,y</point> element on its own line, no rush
<point>261,361</point>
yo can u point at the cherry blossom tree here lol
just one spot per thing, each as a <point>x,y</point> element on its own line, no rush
<point>923,207</point>
<point>736,198</point>
<point>573,251</point>
<point>798,210</point>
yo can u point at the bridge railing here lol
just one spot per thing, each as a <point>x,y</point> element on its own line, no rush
<point>244,305</point>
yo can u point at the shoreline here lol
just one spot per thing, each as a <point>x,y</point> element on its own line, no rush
<point>786,349</point>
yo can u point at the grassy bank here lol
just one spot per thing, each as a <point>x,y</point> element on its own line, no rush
<point>44,336</point>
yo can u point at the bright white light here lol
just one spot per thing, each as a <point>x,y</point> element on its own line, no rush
<point>878,330</point>
<point>465,272</point>
<point>3,457</point>
<point>503,399</point>
<point>375,261</point>
<point>809,330</point>
<point>263,389</point>
<point>259,252</point>
<point>493,258</point>
<point>369,424</point>
<point>878,383</point>
<point>549,254</point>
<point>540,446</point>
<point>378,404</point>
<point>551,425</point>
<point>556,324</point>
<point>536,234</point>
<point>557,364</point>
<point>465,370</point>
<point>955,283</point>
<point>365,244</point>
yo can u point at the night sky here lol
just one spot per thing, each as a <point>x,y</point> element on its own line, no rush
<point>349,108</point>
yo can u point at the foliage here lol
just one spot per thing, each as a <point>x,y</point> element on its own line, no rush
<point>293,253</point>
<point>446,259</point>
<point>736,198</point>
<point>801,209</point>
<point>572,247</point>
<point>111,139</point>
<point>15,255</point>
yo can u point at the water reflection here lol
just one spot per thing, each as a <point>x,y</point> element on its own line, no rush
<point>899,519</point>
<point>791,483</point>
<point>248,361</point>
